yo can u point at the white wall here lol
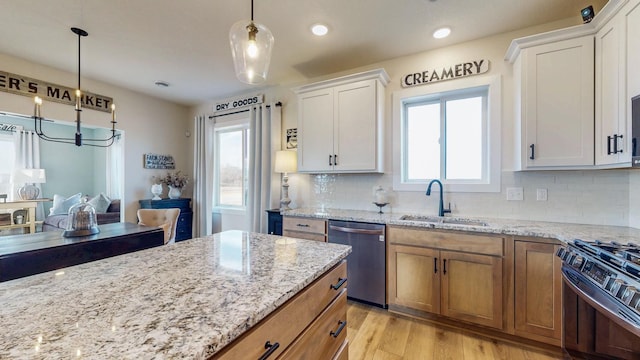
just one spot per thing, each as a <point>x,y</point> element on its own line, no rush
<point>595,197</point>
<point>150,125</point>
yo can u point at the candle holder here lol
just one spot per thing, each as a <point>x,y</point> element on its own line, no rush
<point>380,206</point>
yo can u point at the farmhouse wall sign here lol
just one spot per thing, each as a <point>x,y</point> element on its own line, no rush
<point>26,86</point>
<point>239,102</point>
<point>156,161</point>
<point>450,72</point>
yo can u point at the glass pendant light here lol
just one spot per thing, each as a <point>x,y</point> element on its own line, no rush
<point>251,45</point>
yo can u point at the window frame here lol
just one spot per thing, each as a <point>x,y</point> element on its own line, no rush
<point>225,127</point>
<point>491,132</point>
<point>5,178</point>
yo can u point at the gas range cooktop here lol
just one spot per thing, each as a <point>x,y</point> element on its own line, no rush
<point>608,272</point>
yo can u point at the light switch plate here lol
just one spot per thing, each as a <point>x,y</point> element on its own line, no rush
<point>515,194</point>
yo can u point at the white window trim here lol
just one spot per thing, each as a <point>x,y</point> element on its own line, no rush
<point>232,124</point>
<point>494,134</point>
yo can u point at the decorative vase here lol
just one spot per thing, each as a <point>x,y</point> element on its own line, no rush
<point>174,192</point>
<point>156,190</point>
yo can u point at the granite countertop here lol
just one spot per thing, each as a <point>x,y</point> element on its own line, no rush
<point>564,232</point>
<point>183,300</point>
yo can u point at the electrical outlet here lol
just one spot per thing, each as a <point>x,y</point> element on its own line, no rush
<point>541,194</point>
<point>515,194</point>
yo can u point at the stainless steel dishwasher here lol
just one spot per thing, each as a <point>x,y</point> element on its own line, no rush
<point>366,265</point>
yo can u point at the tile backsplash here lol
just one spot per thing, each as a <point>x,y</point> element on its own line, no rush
<point>602,197</point>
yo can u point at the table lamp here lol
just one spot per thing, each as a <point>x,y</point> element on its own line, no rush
<point>286,162</point>
<point>28,177</point>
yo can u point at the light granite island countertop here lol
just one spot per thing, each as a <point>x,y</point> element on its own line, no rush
<point>184,300</point>
<point>564,232</point>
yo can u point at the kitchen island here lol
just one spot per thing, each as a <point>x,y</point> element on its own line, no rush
<point>185,300</point>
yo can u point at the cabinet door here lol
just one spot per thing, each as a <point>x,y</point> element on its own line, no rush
<point>472,288</point>
<point>414,278</point>
<point>611,136</point>
<point>557,104</point>
<point>315,132</point>
<point>632,32</point>
<point>356,126</point>
<point>538,291</point>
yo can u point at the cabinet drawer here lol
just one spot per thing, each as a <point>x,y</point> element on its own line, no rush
<point>480,244</point>
<point>323,338</point>
<point>316,226</point>
<point>285,324</point>
<point>304,235</point>
<point>343,352</point>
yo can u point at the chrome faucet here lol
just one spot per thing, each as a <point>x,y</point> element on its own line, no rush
<point>441,209</point>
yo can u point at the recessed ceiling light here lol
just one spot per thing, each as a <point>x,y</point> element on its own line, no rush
<point>162,83</point>
<point>442,33</point>
<point>319,30</point>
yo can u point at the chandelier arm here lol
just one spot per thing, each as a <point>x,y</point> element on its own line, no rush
<point>77,140</point>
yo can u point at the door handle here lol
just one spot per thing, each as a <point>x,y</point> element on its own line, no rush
<point>341,325</point>
<point>615,143</point>
<point>435,265</point>
<point>330,160</point>
<point>335,159</point>
<point>270,349</point>
<point>341,282</point>
<point>533,149</point>
<point>608,145</point>
<point>444,266</point>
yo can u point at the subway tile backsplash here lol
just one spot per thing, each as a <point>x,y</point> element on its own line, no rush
<point>602,197</point>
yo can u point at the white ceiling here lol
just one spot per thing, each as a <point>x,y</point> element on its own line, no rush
<point>133,43</point>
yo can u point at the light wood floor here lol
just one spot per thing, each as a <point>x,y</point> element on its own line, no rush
<point>374,333</point>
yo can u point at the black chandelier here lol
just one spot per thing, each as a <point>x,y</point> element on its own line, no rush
<point>77,140</point>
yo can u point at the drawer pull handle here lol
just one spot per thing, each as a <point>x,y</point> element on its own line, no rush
<point>271,348</point>
<point>341,282</point>
<point>341,325</point>
<point>302,225</point>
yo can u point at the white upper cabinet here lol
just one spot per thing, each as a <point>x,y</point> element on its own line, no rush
<point>571,92</point>
<point>631,13</point>
<point>612,130</point>
<point>340,124</point>
<point>554,104</point>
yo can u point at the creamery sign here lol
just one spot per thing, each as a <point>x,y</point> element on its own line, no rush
<point>22,85</point>
<point>450,72</point>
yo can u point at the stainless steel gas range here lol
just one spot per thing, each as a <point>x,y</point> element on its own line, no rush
<point>601,304</point>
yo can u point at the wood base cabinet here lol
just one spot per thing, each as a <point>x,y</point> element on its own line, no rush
<point>311,325</point>
<point>538,292</point>
<point>429,273</point>
<point>304,228</point>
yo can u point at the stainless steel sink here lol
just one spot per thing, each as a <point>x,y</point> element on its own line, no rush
<point>444,220</point>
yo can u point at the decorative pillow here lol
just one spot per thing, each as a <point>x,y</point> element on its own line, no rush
<point>100,203</point>
<point>61,204</point>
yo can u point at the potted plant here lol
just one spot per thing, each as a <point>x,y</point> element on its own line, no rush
<point>175,181</point>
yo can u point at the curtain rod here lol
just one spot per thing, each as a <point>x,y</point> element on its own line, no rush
<point>240,111</point>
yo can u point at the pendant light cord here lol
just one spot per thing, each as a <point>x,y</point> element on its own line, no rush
<point>79,36</point>
<point>251,10</point>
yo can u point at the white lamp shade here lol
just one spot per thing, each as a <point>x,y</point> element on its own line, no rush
<point>286,161</point>
<point>29,176</point>
<point>251,51</point>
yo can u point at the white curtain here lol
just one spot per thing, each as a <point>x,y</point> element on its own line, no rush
<point>265,133</point>
<point>203,144</point>
<point>115,169</point>
<point>27,147</point>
